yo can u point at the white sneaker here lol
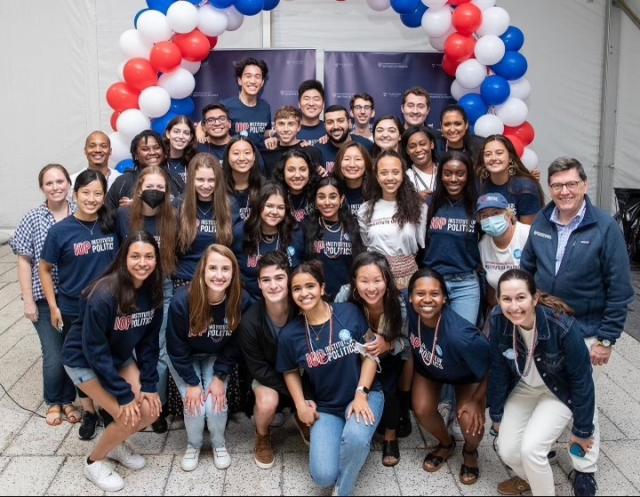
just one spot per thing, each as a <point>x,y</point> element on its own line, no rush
<point>221,458</point>
<point>125,456</point>
<point>455,431</point>
<point>102,475</point>
<point>190,459</point>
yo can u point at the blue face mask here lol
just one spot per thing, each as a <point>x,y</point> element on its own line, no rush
<point>495,226</point>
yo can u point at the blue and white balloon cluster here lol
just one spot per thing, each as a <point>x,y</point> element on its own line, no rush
<point>482,52</point>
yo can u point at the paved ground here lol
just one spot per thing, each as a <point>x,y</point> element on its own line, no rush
<point>38,460</point>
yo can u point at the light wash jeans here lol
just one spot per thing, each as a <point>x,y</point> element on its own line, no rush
<point>340,447</point>
<point>216,422</point>
<point>163,361</point>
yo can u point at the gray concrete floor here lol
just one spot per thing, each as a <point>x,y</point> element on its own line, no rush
<point>37,460</point>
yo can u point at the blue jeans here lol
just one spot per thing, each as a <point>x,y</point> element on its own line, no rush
<point>340,447</point>
<point>216,422</point>
<point>464,295</point>
<point>163,361</point>
<point>58,387</point>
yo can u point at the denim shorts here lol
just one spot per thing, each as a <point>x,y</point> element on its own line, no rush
<point>83,375</point>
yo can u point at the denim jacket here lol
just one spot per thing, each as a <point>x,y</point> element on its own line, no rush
<point>561,357</point>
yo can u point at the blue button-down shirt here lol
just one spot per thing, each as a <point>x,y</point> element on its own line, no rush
<point>565,230</point>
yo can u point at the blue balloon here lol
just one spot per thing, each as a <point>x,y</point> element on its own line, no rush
<point>160,124</point>
<point>474,106</point>
<point>250,7</point>
<point>513,39</point>
<point>512,66</point>
<point>135,19</point>
<point>271,4</point>
<point>222,4</point>
<point>414,19</point>
<point>160,5</point>
<point>495,90</point>
<point>183,107</point>
<point>125,165</point>
<point>405,6</point>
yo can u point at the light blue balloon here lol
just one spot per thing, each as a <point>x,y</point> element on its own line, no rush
<point>474,106</point>
<point>414,19</point>
<point>183,107</point>
<point>512,66</point>
<point>495,90</point>
<point>125,165</point>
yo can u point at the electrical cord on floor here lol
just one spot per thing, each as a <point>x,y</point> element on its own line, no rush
<point>18,404</point>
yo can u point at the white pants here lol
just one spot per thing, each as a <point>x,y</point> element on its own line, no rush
<point>533,420</point>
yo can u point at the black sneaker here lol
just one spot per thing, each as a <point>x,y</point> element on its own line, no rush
<point>87,430</point>
<point>160,425</point>
<point>584,484</point>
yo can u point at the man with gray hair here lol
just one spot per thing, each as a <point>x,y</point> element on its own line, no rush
<point>577,252</point>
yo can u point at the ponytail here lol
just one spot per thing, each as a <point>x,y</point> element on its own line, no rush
<point>555,304</point>
<point>544,299</point>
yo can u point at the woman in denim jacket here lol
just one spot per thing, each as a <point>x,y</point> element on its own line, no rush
<point>540,379</point>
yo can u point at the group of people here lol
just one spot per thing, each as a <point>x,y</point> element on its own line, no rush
<point>351,272</point>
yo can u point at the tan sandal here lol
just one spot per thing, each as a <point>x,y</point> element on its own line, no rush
<point>54,416</point>
<point>72,414</point>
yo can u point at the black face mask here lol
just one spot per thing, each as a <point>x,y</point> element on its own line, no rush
<point>153,198</point>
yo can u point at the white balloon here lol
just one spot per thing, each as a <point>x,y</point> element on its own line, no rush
<point>488,125</point>
<point>434,4</point>
<point>484,4</point>
<point>191,66</point>
<point>120,147</point>
<point>379,5</point>
<point>438,42</point>
<point>471,73</point>
<point>490,50</point>
<point>182,17</point>
<point>458,91</point>
<point>520,88</point>
<point>154,101</point>
<point>436,22</point>
<point>513,112</point>
<point>180,83</point>
<point>235,18</point>
<point>154,27</point>
<point>131,122</point>
<point>134,45</point>
<point>530,159</point>
<point>212,22</point>
<point>495,21</point>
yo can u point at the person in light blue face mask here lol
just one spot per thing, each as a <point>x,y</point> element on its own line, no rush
<point>503,241</point>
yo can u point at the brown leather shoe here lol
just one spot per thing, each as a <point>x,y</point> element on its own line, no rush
<point>264,456</point>
<point>513,486</point>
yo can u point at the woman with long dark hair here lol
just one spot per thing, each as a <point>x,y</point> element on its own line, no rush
<point>180,144</point>
<point>242,172</point>
<point>298,177</point>
<point>111,354</point>
<point>457,134</point>
<point>387,132</point>
<point>353,166</point>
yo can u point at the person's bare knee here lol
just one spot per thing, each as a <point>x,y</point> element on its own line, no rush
<point>266,402</point>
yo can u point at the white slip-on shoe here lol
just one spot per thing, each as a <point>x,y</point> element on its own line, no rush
<point>103,476</point>
<point>190,459</point>
<point>125,456</point>
<point>221,458</point>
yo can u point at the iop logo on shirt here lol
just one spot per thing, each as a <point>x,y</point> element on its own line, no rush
<point>344,335</point>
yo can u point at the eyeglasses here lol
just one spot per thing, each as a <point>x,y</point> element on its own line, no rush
<point>572,186</point>
<point>358,108</point>
<point>214,120</point>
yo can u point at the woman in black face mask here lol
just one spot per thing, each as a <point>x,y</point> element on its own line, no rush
<point>152,211</point>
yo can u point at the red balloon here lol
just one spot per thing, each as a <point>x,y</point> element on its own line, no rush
<point>459,47</point>
<point>467,18</point>
<point>121,97</point>
<point>213,41</point>
<point>194,46</point>
<point>516,142</point>
<point>449,66</point>
<point>165,56</point>
<point>458,2</point>
<point>524,132</point>
<point>139,74</point>
<point>114,120</point>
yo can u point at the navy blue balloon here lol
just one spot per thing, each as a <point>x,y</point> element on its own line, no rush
<point>271,4</point>
<point>160,5</point>
<point>250,7</point>
<point>474,106</point>
<point>513,39</point>
<point>414,19</point>
<point>404,6</point>
<point>512,66</point>
<point>495,90</point>
<point>135,19</point>
<point>222,4</point>
<point>183,107</point>
<point>160,124</point>
<point>125,165</point>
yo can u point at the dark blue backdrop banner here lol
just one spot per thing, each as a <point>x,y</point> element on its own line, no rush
<point>385,76</point>
<point>287,69</point>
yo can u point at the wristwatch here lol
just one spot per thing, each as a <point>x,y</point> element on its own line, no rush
<point>364,390</point>
<point>605,343</point>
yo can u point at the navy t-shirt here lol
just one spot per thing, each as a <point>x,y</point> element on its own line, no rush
<point>312,134</point>
<point>335,251</point>
<point>453,241</point>
<point>216,150</point>
<point>521,193</point>
<point>218,340</point>
<point>273,157</point>
<point>103,340</point>
<point>242,208</point>
<point>354,198</point>
<point>177,169</point>
<point>300,207</point>
<point>333,367</point>
<point>249,263</point>
<point>330,151</point>
<point>82,253</point>
<point>249,121</point>
<point>461,353</point>
<point>123,225</point>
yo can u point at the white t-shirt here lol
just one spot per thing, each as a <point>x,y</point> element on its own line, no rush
<point>498,261</point>
<point>113,174</point>
<point>533,378</point>
<point>422,182</point>
<point>383,233</point>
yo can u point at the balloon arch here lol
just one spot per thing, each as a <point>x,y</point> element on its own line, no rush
<point>172,38</point>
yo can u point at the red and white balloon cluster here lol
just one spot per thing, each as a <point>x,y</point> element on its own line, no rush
<point>482,52</point>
